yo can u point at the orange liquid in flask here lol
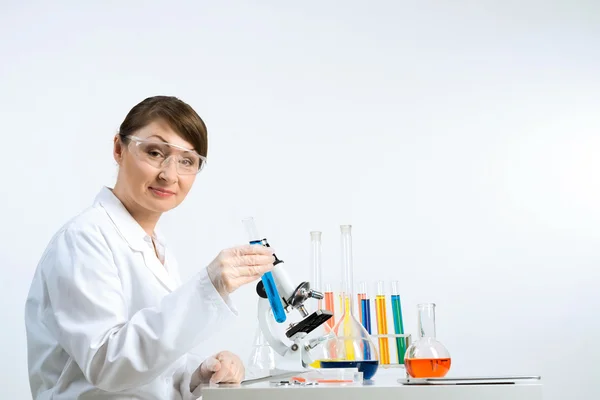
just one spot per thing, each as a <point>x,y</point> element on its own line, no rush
<point>427,367</point>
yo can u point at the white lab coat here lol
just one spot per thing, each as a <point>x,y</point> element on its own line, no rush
<point>105,319</point>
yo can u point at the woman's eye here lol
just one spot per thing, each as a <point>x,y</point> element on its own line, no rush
<point>154,153</point>
<point>187,162</point>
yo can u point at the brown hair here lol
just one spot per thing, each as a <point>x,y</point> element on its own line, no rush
<point>179,115</point>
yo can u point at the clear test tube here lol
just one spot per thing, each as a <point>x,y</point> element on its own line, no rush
<point>317,271</point>
<point>381,314</point>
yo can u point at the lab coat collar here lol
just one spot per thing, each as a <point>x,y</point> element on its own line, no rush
<point>127,226</point>
<point>134,235</point>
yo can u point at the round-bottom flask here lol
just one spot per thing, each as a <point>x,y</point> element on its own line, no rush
<point>427,357</point>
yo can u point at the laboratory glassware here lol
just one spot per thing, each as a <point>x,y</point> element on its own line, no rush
<point>330,304</point>
<point>382,328</point>
<point>325,331</point>
<point>427,357</point>
<point>365,312</point>
<point>353,345</point>
<point>398,323</point>
<point>364,307</point>
<point>267,278</point>
<point>360,296</point>
<point>317,271</point>
<point>262,357</point>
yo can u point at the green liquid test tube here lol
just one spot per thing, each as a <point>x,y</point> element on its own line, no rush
<point>398,324</point>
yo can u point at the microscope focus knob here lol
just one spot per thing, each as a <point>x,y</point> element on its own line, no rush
<point>260,290</point>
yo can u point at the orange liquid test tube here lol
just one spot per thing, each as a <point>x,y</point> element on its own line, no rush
<point>360,296</point>
<point>329,304</point>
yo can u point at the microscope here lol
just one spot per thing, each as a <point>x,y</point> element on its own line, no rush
<point>278,296</point>
<point>296,352</point>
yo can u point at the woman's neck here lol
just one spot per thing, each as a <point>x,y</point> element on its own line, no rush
<point>145,218</point>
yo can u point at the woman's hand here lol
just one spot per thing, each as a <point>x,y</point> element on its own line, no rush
<point>237,266</point>
<point>223,367</point>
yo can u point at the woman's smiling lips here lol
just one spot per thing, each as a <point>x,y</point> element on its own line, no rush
<point>160,192</point>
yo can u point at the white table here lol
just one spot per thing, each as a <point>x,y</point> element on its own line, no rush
<point>384,386</point>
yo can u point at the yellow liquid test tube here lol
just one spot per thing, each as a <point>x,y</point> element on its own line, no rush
<point>348,345</point>
<point>381,314</point>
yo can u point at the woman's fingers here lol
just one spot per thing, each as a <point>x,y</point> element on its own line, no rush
<point>227,373</point>
<point>221,374</point>
<point>250,249</point>
<point>237,266</point>
<point>254,260</point>
<point>211,364</point>
<point>253,271</point>
<point>234,367</point>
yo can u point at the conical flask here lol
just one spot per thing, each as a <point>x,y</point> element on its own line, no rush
<point>427,357</point>
<point>352,347</point>
<point>262,357</point>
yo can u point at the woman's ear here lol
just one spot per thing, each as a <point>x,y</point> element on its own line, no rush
<point>117,149</point>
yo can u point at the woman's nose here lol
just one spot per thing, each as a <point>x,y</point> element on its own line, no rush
<point>168,170</point>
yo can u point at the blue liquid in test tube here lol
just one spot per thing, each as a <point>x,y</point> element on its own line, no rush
<point>366,321</point>
<point>365,312</point>
<point>267,278</point>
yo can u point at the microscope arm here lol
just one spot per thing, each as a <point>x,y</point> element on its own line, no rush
<point>264,314</point>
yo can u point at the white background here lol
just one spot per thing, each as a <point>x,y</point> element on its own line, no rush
<point>459,138</point>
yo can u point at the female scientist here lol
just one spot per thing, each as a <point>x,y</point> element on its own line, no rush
<point>107,316</point>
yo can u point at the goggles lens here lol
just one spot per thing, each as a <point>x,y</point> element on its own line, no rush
<point>158,154</point>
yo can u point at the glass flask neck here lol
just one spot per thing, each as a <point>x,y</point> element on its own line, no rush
<point>259,339</point>
<point>426,320</point>
<point>347,267</point>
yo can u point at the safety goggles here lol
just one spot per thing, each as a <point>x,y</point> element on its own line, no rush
<point>159,154</point>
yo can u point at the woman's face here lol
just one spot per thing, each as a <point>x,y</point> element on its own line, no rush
<point>153,188</point>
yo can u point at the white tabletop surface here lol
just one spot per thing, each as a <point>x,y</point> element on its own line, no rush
<point>383,386</point>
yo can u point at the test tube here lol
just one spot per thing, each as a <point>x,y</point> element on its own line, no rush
<point>330,304</point>
<point>315,240</point>
<point>364,307</point>
<point>365,313</point>
<point>361,294</point>
<point>381,314</point>
<point>267,278</point>
<point>398,323</point>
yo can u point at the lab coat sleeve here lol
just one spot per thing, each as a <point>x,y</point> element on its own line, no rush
<point>89,315</point>
<point>193,361</point>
